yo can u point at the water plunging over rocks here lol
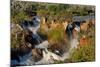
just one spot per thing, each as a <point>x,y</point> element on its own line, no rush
<point>39,53</point>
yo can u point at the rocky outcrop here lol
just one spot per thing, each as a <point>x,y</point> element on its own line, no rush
<point>37,54</point>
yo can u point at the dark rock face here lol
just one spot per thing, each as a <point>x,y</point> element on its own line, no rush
<point>31,40</point>
<point>71,26</point>
<point>31,27</point>
<point>31,23</point>
<point>35,21</point>
<point>69,30</point>
<point>14,55</point>
<point>37,54</point>
<point>58,49</point>
<point>19,52</point>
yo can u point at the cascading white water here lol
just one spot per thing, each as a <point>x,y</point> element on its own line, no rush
<point>48,57</point>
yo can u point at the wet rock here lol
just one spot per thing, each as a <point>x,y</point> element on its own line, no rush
<point>37,54</point>
<point>58,49</point>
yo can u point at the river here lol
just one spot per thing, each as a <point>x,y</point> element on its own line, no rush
<point>48,57</point>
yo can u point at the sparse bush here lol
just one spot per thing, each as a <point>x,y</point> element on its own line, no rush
<point>84,53</point>
<point>56,35</point>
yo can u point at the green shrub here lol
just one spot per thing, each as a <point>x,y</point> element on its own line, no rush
<point>83,54</point>
<point>56,35</point>
<point>19,17</point>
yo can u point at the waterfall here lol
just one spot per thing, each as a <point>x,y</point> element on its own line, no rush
<point>48,56</point>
